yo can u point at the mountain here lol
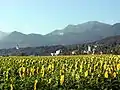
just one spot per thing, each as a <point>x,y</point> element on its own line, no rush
<point>14,37</point>
<point>24,40</point>
<point>86,32</point>
<point>88,26</point>
<point>72,34</point>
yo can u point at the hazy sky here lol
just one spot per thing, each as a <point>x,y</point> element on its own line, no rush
<point>43,16</point>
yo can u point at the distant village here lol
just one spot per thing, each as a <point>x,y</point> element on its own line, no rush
<point>57,50</point>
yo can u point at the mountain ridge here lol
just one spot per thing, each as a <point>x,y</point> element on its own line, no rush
<point>71,34</point>
<point>98,22</point>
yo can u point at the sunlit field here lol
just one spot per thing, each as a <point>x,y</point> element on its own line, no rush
<point>60,72</point>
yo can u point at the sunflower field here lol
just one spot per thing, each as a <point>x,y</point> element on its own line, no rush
<point>84,72</point>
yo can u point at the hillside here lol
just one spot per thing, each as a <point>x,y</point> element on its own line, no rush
<point>110,40</point>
